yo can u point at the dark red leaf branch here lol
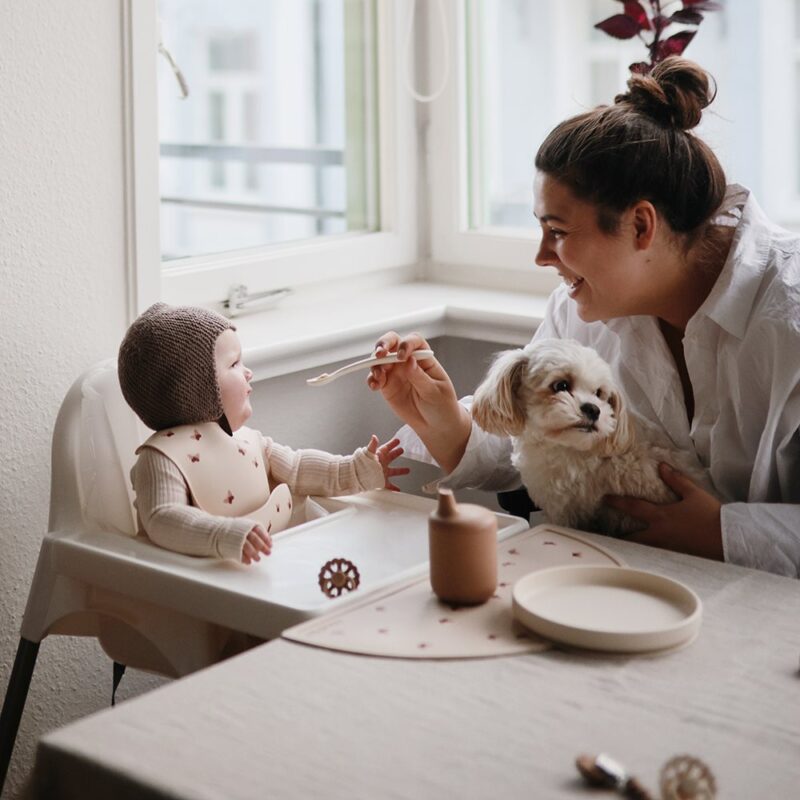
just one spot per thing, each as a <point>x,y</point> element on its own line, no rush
<point>636,20</point>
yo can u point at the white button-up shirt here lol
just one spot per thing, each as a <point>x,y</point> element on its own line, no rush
<point>742,350</point>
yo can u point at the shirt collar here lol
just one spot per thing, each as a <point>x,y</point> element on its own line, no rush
<point>731,300</point>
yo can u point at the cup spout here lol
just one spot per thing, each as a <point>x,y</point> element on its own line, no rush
<point>447,503</point>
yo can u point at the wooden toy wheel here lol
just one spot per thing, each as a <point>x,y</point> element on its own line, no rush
<point>687,778</point>
<point>338,575</point>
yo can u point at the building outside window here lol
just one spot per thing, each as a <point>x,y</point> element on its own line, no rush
<point>276,139</point>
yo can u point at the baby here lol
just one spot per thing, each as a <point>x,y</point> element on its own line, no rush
<point>205,485</point>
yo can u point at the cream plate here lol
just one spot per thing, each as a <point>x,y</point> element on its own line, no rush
<point>615,609</point>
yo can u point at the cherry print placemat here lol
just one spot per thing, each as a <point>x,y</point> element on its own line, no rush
<point>408,621</point>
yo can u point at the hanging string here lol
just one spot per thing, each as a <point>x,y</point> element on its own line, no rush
<point>445,54</point>
<point>184,86</point>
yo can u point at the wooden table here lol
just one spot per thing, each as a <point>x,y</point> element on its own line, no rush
<point>291,721</point>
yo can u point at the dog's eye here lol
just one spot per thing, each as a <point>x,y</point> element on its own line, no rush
<point>560,386</point>
<point>599,393</point>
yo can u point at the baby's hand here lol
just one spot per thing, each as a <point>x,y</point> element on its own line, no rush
<point>258,541</point>
<point>387,453</point>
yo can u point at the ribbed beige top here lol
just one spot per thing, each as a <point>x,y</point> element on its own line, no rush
<point>169,519</point>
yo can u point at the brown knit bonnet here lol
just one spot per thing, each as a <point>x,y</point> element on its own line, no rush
<point>166,365</point>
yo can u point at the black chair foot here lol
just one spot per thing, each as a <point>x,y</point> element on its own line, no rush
<point>118,672</point>
<point>14,703</point>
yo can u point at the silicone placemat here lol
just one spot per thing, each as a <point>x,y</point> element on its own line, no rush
<point>408,621</point>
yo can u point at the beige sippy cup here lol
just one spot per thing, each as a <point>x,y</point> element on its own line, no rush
<point>462,541</point>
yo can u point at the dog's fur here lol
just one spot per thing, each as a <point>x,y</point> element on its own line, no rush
<point>574,441</point>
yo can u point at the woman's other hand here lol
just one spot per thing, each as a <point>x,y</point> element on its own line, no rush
<point>422,395</point>
<point>386,453</point>
<point>690,525</point>
<point>258,541</point>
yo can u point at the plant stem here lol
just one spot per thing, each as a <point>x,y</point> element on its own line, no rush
<point>656,4</point>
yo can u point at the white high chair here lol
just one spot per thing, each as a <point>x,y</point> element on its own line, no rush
<point>89,579</point>
<point>149,608</point>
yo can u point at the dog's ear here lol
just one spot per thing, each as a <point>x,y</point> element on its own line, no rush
<point>622,438</point>
<point>498,405</point>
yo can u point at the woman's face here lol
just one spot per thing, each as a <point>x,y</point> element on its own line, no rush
<point>605,272</point>
<point>233,378</point>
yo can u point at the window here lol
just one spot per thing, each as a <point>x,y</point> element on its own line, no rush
<point>290,161</point>
<point>525,65</point>
<point>275,139</point>
<point>295,157</point>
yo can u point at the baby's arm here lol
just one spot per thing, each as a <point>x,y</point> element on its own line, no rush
<point>317,472</point>
<point>167,516</point>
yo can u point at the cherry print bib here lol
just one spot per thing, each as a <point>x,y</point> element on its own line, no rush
<point>226,475</point>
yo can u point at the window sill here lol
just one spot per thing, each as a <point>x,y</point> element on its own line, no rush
<point>304,332</point>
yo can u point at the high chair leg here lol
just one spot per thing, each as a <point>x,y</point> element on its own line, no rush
<point>16,694</point>
<point>118,670</point>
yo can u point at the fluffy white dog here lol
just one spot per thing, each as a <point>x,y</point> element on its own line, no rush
<point>574,441</point>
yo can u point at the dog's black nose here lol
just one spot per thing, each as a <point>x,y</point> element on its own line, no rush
<point>591,411</point>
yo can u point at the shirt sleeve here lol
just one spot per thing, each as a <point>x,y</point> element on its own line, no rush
<point>762,536</point>
<point>317,472</point>
<point>486,463</point>
<point>766,535</point>
<point>166,515</point>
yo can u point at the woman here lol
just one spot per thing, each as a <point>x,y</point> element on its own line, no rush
<point>690,294</point>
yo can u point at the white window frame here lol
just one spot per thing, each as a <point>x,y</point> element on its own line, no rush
<point>207,279</point>
<point>491,257</point>
<point>503,258</point>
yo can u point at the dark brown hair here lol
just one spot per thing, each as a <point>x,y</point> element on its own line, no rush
<point>642,148</point>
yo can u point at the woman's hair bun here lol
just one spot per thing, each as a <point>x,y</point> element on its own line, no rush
<point>674,94</point>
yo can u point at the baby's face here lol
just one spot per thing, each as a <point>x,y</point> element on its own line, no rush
<point>233,378</point>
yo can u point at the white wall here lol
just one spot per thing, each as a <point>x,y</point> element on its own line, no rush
<point>62,299</point>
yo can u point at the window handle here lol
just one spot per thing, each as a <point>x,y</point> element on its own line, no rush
<point>240,301</point>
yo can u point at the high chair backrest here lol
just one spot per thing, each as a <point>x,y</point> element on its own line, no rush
<point>94,443</point>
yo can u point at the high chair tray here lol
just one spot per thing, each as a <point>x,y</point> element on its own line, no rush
<point>384,534</point>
